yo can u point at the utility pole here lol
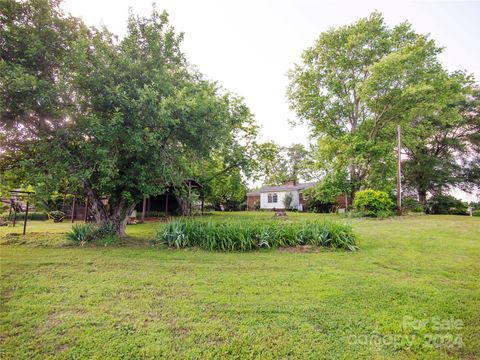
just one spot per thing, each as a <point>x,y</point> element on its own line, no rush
<point>399,172</point>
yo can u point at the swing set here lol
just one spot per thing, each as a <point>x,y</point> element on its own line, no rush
<point>20,202</point>
<point>16,206</point>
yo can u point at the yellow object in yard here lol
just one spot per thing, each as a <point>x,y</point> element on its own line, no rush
<point>55,218</point>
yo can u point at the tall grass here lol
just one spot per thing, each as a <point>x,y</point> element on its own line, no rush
<point>234,235</point>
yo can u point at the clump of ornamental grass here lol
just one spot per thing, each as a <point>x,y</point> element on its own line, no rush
<point>233,235</point>
<point>85,233</point>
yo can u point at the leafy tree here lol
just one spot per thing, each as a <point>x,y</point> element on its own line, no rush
<point>356,83</point>
<point>443,148</point>
<point>331,185</point>
<point>135,114</point>
<point>223,174</point>
<point>277,164</point>
<point>270,164</point>
<point>35,54</point>
<point>221,183</point>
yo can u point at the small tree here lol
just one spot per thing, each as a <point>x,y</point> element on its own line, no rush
<point>288,201</point>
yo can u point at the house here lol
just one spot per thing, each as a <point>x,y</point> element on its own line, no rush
<point>272,197</point>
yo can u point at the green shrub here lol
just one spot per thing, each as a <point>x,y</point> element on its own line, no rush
<point>411,204</point>
<point>373,203</point>
<point>361,214</point>
<point>21,216</point>
<point>83,233</point>
<point>446,204</point>
<point>236,235</point>
<point>476,213</point>
<point>458,211</point>
<point>106,230</point>
<point>152,214</point>
<point>288,201</point>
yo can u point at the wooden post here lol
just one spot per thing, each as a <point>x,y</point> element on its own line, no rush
<point>346,203</point>
<point>144,207</point>
<point>86,210</point>
<point>73,207</point>
<point>399,172</point>
<point>166,205</point>
<point>189,197</point>
<point>26,216</point>
<point>10,211</point>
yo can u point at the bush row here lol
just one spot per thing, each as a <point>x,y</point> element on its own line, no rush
<point>21,216</point>
<point>245,236</point>
<point>446,204</point>
<point>373,203</point>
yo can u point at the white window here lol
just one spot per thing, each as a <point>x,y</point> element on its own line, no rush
<point>272,198</point>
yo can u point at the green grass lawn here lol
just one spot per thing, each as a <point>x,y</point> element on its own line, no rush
<point>133,300</point>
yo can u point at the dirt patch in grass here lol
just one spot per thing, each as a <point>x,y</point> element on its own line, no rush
<point>154,219</point>
<point>301,249</point>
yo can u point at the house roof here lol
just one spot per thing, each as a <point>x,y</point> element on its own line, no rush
<point>297,187</point>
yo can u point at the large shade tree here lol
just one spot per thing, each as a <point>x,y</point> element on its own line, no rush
<point>443,150</point>
<point>114,119</point>
<point>357,83</point>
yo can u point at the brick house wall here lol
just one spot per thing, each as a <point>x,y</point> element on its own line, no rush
<point>251,201</point>
<point>340,200</point>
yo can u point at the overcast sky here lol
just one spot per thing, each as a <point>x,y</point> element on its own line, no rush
<point>248,46</point>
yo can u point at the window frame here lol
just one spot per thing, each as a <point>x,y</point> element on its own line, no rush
<point>272,198</point>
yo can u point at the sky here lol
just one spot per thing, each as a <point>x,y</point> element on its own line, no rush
<point>249,46</point>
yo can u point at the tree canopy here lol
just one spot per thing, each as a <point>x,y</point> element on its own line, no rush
<point>276,164</point>
<point>358,82</point>
<point>121,119</point>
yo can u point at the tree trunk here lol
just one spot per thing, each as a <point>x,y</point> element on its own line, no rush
<point>353,180</point>
<point>119,216</point>
<point>118,212</point>
<point>422,196</point>
<point>97,207</point>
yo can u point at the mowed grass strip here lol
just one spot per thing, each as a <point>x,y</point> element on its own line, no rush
<point>145,302</point>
